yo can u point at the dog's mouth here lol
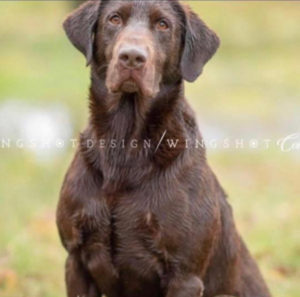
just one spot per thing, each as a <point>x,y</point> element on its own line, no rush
<point>129,86</point>
<point>143,81</point>
<point>130,81</point>
<point>127,81</point>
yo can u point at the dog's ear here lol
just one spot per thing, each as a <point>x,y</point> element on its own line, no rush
<point>79,27</point>
<point>200,44</point>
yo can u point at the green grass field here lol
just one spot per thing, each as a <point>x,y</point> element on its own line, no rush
<point>253,83</point>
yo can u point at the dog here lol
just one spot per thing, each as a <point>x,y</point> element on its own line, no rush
<point>138,217</point>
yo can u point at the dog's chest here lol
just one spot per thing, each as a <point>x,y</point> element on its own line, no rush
<point>136,236</point>
<point>140,248</point>
<point>138,254</point>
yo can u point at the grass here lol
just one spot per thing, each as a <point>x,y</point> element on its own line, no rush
<point>251,82</point>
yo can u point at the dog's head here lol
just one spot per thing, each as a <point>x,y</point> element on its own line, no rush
<point>137,45</point>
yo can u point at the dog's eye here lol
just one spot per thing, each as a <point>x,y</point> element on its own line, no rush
<point>162,25</point>
<point>115,19</point>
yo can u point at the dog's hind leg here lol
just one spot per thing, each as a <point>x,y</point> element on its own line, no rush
<point>78,281</point>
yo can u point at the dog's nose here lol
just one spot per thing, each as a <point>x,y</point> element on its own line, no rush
<point>132,58</point>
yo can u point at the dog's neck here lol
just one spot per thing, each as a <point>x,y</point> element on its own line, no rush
<point>125,116</point>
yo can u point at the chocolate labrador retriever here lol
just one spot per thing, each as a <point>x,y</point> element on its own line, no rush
<point>141,214</point>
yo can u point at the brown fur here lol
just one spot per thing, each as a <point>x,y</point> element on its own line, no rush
<point>147,221</point>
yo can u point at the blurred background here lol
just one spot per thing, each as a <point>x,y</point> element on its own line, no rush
<point>248,94</point>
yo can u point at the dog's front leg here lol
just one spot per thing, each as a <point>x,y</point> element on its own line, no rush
<point>187,286</point>
<point>78,281</point>
<point>97,260</point>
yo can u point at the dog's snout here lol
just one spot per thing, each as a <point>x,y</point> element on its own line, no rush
<point>132,58</point>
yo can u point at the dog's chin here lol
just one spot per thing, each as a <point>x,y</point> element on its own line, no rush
<point>144,84</point>
<point>129,86</point>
